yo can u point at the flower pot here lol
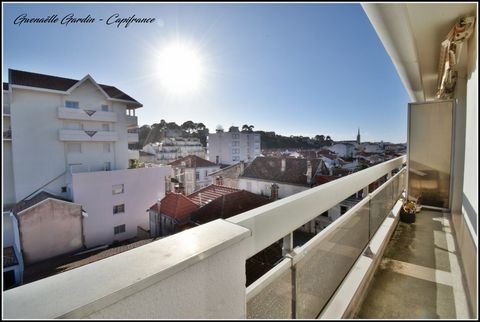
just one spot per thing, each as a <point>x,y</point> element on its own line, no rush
<point>407,217</point>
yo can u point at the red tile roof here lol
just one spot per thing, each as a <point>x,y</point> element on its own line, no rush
<point>228,205</point>
<point>193,161</point>
<point>176,206</point>
<point>209,193</point>
<point>270,169</point>
<point>18,77</point>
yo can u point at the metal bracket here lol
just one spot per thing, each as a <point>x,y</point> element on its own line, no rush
<point>368,252</point>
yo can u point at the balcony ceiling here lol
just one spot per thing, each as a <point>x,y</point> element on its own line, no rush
<point>412,34</point>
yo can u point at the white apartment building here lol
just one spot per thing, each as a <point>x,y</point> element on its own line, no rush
<point>171,149</point>
<point>70,138</point>
<point>233,146</point>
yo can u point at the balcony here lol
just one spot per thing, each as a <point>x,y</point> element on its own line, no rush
<point>87,136</point>
<point>86,115</point>
<point>6,110</point>
<point>7,135</point>
<point>209,260</point>
<point>132,136</point>
<point>132,121</point>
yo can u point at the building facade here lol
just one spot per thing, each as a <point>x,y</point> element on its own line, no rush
<point>171,149</point>
<point>193,172</point>
<point>70,138</point>
<point>233,146</point>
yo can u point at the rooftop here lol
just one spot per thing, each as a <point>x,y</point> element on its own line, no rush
<point>23,78</point>
<point>193,161</point>
<point>270,169</point>
<point>209,193</point>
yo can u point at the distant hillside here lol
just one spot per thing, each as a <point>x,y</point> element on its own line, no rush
<point>269,140</point>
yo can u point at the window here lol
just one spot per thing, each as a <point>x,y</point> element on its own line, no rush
<point>235,136</point>
<point>197,175</point>
<point>107,166</point>
<point>106,147</point>
<point>235,143</point>
<point>235,151</point>
<point>105,127</point>
<point>343,209</point>
<point>117,188</point>
<point>118,229</point>
<point>74,147</point>
<point>236,158</point>
<point>119,209</point>
<point>72,104</point>
<point>105,108</point>
<point>206,173</point>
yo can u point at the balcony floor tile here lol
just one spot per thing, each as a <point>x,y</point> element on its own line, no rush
<point>419,276</point>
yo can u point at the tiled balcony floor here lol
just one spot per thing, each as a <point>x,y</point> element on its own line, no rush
<point>420,275</point>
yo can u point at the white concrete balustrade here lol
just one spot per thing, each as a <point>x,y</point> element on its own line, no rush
<point>86,115</point>
<point>198,273</point>
<point>82,136</point>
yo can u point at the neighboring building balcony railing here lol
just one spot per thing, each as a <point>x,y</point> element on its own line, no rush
<point>86,115</point>
<point>84,135</point>
<point>7,135</point>
<point>132,121</point>
<point>205,266</point>
<point>6,110</point>
<point>132,137</point>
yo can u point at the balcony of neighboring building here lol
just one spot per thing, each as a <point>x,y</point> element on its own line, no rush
<point>87,136</point>
<point>86,114</point>
<point>132,135</point>
<point>132,121</point>
<point>6,110</point>
<point>7,134</point>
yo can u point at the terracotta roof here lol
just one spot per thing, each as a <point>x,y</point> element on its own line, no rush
<point>5,86</point>
<point>9,257</point>
<point>176,206</point>
<point>321,179</point>
<point>22,205</point>
<point>193,161</point>
<point>270,168</point>
<point>209,193</point>
<point>18,77</point>
<point>228,205</point>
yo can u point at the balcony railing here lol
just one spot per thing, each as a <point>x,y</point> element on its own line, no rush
<point>132,121</point>
<point>132,137</point>
<point>7,135</point>
<point>83,135</point>
<point>86,114</point>
<point>205,266</point>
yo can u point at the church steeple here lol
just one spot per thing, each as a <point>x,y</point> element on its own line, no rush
<point>358,136</point>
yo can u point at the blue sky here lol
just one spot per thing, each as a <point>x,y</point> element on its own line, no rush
<point>297,69</point>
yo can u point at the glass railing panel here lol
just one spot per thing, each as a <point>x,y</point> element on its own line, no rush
<point>274,301</point>
<point>326,260</point>
<point>380,206</point>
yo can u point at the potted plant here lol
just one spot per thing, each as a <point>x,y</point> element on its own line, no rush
<point>408,211</point>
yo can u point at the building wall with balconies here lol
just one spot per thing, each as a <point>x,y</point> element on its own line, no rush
<point>233,147</point>
<point>8,193</point>
<point>119,188</point>
<point>48,137</point>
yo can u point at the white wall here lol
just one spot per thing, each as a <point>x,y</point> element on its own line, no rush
<point>260,187</point>
<point>39,155</point>
<point>142,188</point>
<point>221,144</point>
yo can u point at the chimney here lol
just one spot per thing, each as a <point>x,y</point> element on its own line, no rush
<point>274,191</point>
<point>284,164</point>
<point>309,172</point>
<point>242,167</point>
<point>219,180</point>
<point>158,205</point>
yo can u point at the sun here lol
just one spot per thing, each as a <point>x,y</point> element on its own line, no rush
<point>180,68</point>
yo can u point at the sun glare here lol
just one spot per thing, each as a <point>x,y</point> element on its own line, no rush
<point>180,68</point>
